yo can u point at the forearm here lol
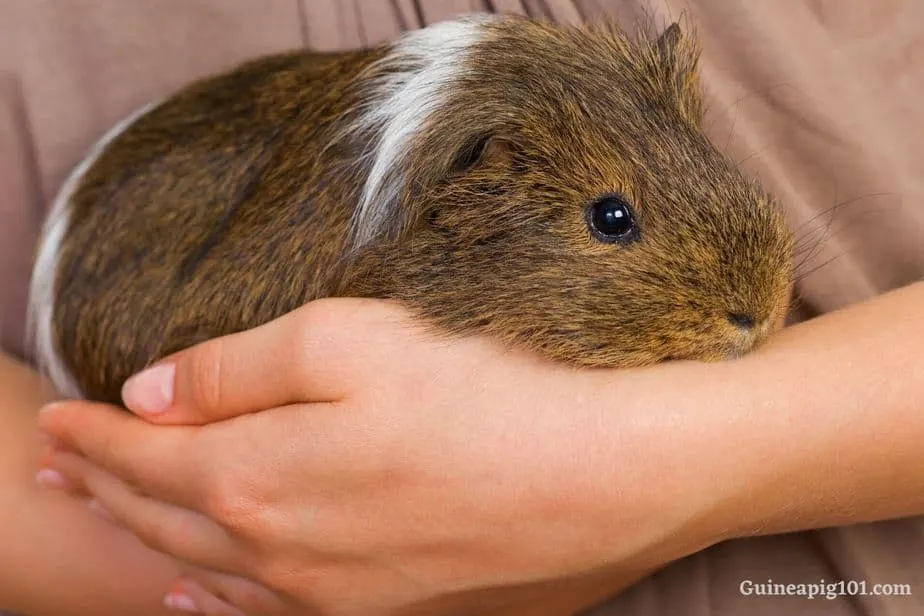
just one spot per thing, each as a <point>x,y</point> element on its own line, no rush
<point>834,413</point>
<point>822,427</point>
<point>58,558</point>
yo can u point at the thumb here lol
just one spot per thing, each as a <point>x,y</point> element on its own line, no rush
<point>303,356</point>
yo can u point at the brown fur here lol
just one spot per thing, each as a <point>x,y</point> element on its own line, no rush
<point>229,205</point>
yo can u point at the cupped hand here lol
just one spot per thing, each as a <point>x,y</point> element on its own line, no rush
<point>343,460</point>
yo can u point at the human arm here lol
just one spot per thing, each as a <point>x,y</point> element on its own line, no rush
<point>59,559</point>
<point>821,427</point>
<point>832,428</point>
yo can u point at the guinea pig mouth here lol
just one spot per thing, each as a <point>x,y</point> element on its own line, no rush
<point>734,348</point>
<point>744,343</point>
<point>735,354</point>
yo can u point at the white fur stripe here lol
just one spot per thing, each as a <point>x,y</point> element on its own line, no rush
<point>40,324</point>
<point>418,75</point>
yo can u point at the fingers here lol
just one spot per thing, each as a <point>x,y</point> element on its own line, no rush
<point>162,461</point>
<point>219,594</point>
<point>187,595</point>
<point>304,356</point>
<point>177,532</point>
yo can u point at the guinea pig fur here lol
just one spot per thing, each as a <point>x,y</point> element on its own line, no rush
<point>543,184</point>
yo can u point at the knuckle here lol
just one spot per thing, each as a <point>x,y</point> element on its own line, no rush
<point>110,453</point>
<point>310,320</point>
<point>104,447</point>
<point>338,328</point>
<point>152,533</point>
<point>203,371</point>
<point>286,578</point>
<point>228,501</point>
<point>167,534</point>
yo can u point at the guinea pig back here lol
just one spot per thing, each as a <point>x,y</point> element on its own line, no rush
<point>547,185</point>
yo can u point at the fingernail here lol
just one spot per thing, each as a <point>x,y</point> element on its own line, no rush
<point>49,408</point>
<point>99,510</point>
<point>50,478</point>
<point>150,391</point>
<point>180,601</point>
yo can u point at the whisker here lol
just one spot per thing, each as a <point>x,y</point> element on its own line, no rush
<point>811,242</point>
<point>804,275</point>
<point>751,155</point>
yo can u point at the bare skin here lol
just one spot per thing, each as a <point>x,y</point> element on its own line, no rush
<point>448,442</point>
<point>58,558</point>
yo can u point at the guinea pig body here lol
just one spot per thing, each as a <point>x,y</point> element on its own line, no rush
<point>546,185</point>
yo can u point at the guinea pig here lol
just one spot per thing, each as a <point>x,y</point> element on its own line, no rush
<point>547,185</point>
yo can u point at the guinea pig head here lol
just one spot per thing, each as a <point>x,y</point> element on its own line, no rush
<point>555,190</point>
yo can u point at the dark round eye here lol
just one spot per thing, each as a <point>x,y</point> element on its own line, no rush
<point>611,219</point>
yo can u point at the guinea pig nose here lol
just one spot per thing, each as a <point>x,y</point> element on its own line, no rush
<point>744,321</point>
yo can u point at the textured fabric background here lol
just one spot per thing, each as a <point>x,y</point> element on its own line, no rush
<point>820,98</point>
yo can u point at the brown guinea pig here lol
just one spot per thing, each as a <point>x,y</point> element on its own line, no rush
<point>547,185</point>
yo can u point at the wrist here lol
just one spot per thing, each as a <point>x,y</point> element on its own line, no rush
<point>821,428</point>
<point>653,484</point>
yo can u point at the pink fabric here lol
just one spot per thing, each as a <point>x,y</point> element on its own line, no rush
<point>819,98</point>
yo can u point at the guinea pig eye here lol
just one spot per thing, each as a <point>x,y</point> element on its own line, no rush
<point>470,155</point>
<point>483,150</point>
<point>612,220</point>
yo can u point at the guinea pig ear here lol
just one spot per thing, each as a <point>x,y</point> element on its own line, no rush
<point>669,41</point>
<point>482,150</point>
<point>678,55</point>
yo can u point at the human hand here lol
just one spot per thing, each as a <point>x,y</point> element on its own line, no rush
<point>57,558</point>
<point>394,472</point>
